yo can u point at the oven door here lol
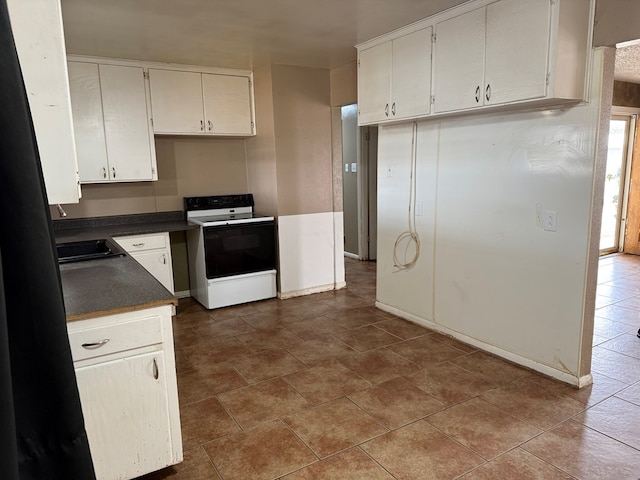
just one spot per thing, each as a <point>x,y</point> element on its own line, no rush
<point>239,248</point>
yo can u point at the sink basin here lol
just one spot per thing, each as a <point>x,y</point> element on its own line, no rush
<point>87,250</point>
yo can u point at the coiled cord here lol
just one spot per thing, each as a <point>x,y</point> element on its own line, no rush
<point>409,236</point>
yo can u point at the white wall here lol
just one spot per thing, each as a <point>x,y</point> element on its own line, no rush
<point>488,273</point>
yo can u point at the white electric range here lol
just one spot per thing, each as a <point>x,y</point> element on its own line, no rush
<point>232,256</point>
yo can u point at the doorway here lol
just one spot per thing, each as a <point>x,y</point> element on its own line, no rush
<point>620,203</point>
<point>359,186</point>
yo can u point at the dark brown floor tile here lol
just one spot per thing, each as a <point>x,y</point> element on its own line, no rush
<point>615,418</point>
<point>263,402</point>
<point>183,364</point>
<point>326,382</point>
<point>334,426</point>
<point>615,365</point>
<point>195,466</point>
<point>585,453</point>
<point>603,327</point>
<point>630,394</point>
<point>367,338</point>
<point>234,311</point>
<point>627,344</point>
<point>185,337</point>
<point>426,351</point>
<point>396,403</point>
<point>269,320</point>
<point>223,328</point>
<point>352,464</point>
<point>206,381</point>
<point>617,293</point>
<point>450,383</point>
<point>601,388</point>
<point>620,314</point>
<point>313,310</point>
<point>315,328</point>
<point>318,351</point>
<point>452,342</point>
<point>357,316</point>
<point>347,300</point>
<point>268,364</point>
<point>204,421</point>
<point>419,451</point>
<point>516,464</point>
<point>263,453</point>
<point>402,328</point>
<point>482,427</point>
<point>538,406</point>
<point>491,368</point>
<point>379,365</point>
<point>216,352</point>
<point>269,339</point>
<point>192,318</point>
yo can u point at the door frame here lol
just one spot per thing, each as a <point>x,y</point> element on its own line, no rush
<point>367,191</point>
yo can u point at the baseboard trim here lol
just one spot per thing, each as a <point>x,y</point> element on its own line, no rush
<point>182,294</point>
<point>565,377</point>
<point>352,255</point>
<point>309,291</point>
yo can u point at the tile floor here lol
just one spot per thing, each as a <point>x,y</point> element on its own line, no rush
<point>327,386</point>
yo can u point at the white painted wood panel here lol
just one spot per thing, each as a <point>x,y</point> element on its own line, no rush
<point>88,122</point>
<point>374,81</point>
<point>411,74</point>
<point>134,439</point>
<point>307,253</point>
<point>126,122</point>
<point>176,99</point>
<point>227,104</point>
<point>517,48</point>
<point>39,37</point>
<point>459,62</point>
<point>153,252</point>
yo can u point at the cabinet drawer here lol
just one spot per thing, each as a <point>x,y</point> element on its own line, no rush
<point>115,338</point>
<point>139,243</point>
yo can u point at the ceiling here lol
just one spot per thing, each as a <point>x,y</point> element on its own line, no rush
<point>249,33</point>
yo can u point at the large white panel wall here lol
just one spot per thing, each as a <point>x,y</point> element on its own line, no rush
<point>488,273</point>
<point>311,253</point>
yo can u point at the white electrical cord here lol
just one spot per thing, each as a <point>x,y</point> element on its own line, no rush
<point>410,235</point>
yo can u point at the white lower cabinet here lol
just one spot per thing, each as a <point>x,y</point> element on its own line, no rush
<point>153,252</point>
<point>125,369</point>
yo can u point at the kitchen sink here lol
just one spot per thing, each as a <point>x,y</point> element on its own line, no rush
<point>87,250</point>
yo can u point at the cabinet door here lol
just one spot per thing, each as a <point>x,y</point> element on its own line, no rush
<point>88,123</point>
<point>227,104</point>
<point>158,264</point>
<point>459,62</point>
<point>176,101</point>
<point>517,50</point>
<point>411,75</point>
<point>126,415</point>
<point>126,123</point>
<point>39,38</point>
<point>374,83</point>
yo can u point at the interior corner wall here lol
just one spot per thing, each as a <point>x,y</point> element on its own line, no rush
<point>344,84</point>
<point>302,119</point>
<point>488,273</point>
<point>261,149</point>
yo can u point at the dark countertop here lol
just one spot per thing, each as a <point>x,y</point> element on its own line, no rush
<point>113,285</point>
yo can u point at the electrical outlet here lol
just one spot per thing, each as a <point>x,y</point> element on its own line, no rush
<point>389,172</point>
<point>550,221</point>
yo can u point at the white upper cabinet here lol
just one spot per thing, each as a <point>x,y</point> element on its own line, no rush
<point>39,40</point>
<point>459,62</point>
<point>195,103</point>
<point>112,123</point>
<point>394,78</point>
<point>486,54</point>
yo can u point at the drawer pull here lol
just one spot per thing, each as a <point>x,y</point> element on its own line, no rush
<point>138,245</point>
<point>94,345</point>
<point>156,373</point>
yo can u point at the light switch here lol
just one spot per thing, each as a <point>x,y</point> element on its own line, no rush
<point>389,172</point>
<point>354,167</point>
<point>346,168</point>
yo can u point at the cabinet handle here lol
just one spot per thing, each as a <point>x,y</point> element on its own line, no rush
<point>487,92</point>
<point>164,259</point>
<point>386,110</point>
<point>202,125</point>
<point>113,169</point>
<point>138,245</point>
<point>156,372</point>
<point>210,125</point>
<point>94,345</point>
<point>393,109</point>
<point>478,94</point>
<point>104,172</point>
